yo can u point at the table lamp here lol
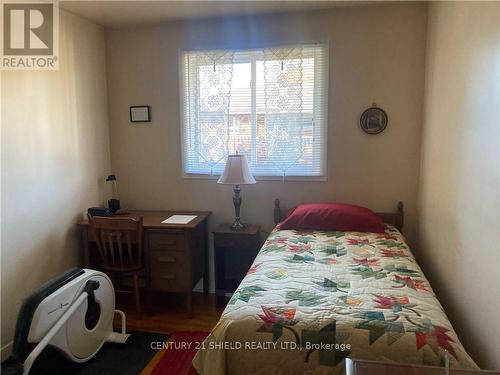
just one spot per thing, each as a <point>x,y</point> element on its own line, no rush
<point>236,173</point>
<point>114,202</point>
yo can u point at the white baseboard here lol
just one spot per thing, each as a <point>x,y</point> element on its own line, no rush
<point>6,351</point>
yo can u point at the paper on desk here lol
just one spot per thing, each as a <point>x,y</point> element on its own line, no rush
<point>179,219</point>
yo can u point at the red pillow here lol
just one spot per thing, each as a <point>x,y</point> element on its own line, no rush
<point>333,216</point>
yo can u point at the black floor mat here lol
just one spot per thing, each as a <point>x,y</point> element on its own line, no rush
<point>127,359</point>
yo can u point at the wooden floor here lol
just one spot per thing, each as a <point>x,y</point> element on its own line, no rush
<point>169,313</point>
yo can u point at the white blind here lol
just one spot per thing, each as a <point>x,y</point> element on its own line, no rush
<point>269,104</point>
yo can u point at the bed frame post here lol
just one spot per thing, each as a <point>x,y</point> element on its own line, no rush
<point>277,211</point>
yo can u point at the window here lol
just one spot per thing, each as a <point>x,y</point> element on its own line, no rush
<point>268,104</point>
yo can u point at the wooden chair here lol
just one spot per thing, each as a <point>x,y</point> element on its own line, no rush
<point>120,245</point>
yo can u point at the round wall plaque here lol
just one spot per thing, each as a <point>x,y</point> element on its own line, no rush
<point>373,120</point>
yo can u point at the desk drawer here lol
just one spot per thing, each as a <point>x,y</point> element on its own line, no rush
<point>167,241</point>
<point>169,271</point>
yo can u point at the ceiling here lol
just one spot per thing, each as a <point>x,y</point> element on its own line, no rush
<point>114,14</point>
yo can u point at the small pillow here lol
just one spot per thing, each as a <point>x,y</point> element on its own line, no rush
<point>333,216</point>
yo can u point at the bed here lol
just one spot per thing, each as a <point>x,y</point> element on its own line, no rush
<point>312,298</point>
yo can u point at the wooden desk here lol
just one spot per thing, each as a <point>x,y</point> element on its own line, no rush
<point>176,255</point>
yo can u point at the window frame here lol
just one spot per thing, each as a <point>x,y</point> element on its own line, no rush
<point>183,77</point>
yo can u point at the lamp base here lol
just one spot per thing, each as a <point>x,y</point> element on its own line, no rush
<point>237,225</point>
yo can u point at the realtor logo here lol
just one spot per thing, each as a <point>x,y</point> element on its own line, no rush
<point>30,35</point>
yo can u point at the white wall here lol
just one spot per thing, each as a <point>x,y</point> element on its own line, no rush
<point>55,157</point>
<point>459,220</point>
<point>376,54</point>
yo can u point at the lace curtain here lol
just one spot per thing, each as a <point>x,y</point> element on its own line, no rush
<point>213,72</point>
<point>283,80</point>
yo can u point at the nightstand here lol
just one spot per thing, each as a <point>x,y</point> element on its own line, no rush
<point>366,367</point>
<point>234,254</point>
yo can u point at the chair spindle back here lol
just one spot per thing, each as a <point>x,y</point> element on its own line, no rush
<point>115,237</point>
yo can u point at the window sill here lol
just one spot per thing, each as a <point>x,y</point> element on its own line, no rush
<point>260,178</point>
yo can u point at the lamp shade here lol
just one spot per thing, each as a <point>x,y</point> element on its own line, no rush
<point>236,171</point>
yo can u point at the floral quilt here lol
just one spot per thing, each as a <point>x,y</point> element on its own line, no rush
<point>312,298</point>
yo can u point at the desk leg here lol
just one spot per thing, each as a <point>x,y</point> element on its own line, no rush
<point>86,250</point>
<point>206,275</point>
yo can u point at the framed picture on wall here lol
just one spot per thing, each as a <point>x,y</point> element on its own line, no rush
<point>140,113</point>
